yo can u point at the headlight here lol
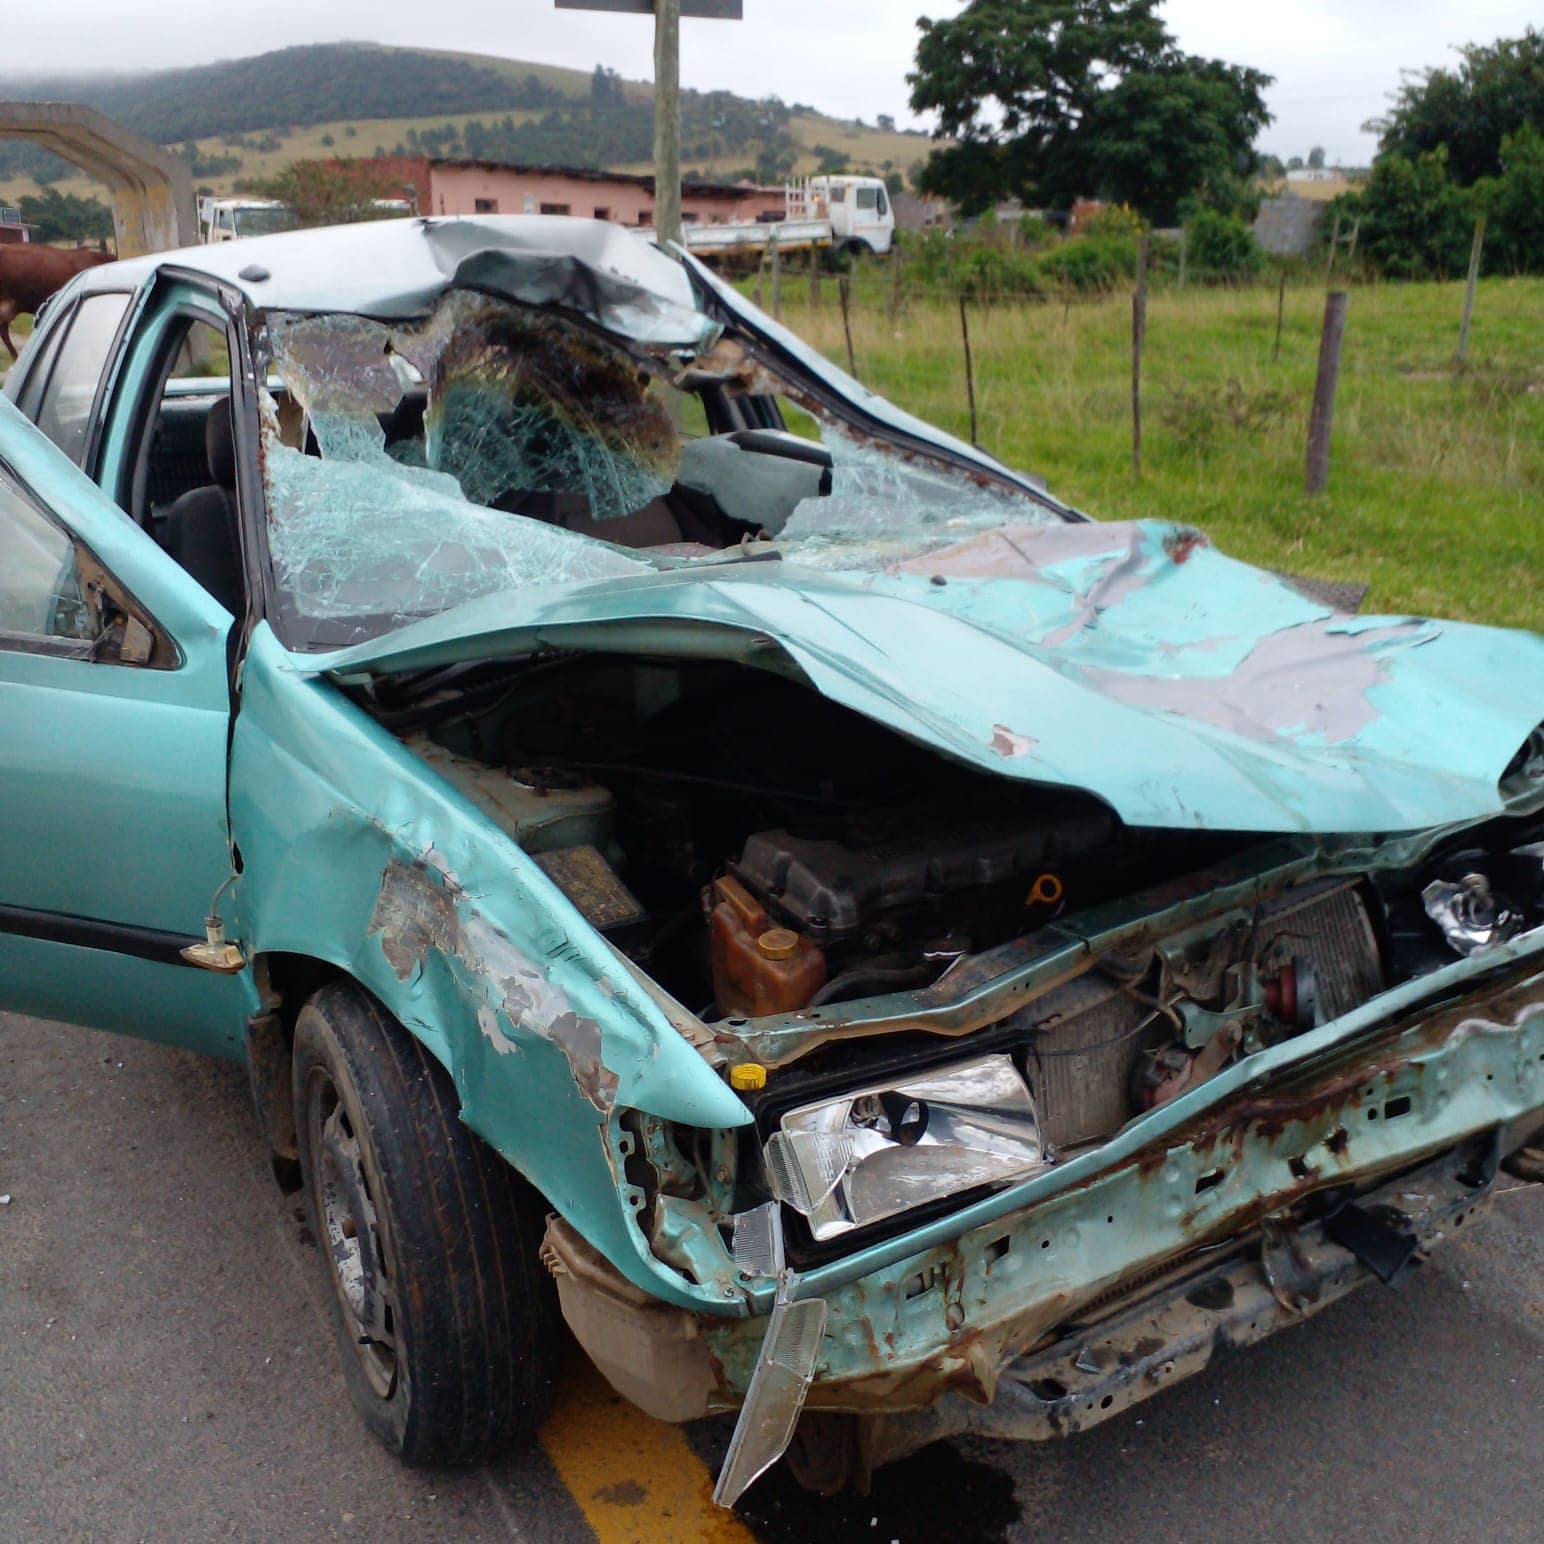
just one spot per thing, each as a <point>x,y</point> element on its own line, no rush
<point>876,1151</point>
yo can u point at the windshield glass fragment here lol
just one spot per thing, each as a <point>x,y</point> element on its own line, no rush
<point>491,446</point>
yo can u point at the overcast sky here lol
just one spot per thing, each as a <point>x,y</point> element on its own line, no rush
<point>1335,61</point>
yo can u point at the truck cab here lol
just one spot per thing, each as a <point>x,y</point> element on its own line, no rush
<point>224,219</point>
<point>859,209</point>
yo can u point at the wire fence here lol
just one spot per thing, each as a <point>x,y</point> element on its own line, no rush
<point>1227,371</point>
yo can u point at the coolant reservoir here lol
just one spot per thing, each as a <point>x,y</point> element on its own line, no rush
<point>759,968</point>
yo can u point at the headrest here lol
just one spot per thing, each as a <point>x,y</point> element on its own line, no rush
<point>220,444</point>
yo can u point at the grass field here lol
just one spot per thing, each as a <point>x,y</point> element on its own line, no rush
<point>1436,495</point>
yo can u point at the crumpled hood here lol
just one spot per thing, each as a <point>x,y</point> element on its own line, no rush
<point>1129,660</point>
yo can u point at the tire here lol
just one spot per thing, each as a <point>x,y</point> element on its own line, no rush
<point>447,1324</point>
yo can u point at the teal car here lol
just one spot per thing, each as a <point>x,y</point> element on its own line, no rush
<point>686,850</point>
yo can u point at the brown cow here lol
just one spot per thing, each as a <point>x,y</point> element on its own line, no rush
<point>30,272</point>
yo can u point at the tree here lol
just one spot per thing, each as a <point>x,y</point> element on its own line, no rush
<point>1050,100</point>
<point>1514,205</point>
<point>57,216</point>
<point>885,122</point>
<point>1295,163</point>
<point>1416,221</point>
<point>328,192</point>
<point>1495,90</point>
<point>1316,158</point>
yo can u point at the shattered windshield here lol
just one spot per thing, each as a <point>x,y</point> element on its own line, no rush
<point>492,446</point>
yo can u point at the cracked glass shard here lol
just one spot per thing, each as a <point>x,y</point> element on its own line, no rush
<point>885,507</point>
<point>436,462</point>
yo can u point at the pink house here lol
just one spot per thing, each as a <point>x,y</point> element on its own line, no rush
<point>457,187</point>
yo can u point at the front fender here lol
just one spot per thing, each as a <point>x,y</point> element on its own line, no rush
<point>355,853</point>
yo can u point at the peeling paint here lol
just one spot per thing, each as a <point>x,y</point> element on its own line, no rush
<point>416,913</point>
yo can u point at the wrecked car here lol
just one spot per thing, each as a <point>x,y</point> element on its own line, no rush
<point>683,847</point>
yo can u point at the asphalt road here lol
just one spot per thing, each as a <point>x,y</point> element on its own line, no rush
<point>166,1373</point>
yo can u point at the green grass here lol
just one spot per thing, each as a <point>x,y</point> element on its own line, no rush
<point>1436,495</point>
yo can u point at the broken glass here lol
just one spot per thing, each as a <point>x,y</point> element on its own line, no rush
<point>447,453</point>
<point>885,507</point>
<point>484,446</point>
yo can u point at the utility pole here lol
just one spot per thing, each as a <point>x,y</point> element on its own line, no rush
<point>667,121</point>
<point>667,16</point>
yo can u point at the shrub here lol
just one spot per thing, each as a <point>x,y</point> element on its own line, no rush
<point>1416,221</point>
<point>1090,263</point>
<point>1514,205</point>
<point>1198,418</point>
<point>1221,246</point>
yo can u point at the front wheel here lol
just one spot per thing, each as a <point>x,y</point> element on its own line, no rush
<point>445,1319</point>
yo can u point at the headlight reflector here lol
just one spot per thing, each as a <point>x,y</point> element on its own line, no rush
<point>880,1150</point>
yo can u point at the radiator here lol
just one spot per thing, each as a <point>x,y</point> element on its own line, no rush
<point>1087,1037</point>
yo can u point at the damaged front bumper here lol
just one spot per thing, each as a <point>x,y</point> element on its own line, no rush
<point>955,1323</point>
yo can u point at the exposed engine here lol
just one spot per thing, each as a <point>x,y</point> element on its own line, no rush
<point>760,851</point>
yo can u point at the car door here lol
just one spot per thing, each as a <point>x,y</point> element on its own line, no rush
<point>114,724</point>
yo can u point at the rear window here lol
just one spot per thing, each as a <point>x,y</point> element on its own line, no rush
<point>64,414</point>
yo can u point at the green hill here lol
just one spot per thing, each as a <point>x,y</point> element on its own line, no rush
<point>238,119</point>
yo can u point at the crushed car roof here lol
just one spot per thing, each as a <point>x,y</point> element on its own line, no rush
<point>397,268</point>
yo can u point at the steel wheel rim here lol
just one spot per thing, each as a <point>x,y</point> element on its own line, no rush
<point>344,1187</point>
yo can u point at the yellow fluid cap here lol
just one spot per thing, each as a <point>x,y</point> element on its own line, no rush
<point>778,943</point>
<point>748,1078</point>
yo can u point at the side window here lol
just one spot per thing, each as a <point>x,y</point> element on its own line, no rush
<point>55,598</point>
<point>866,198</point>
<point>881,203</point>
<point>40,590</point>
<point>65,412</point>
<point>46,349</point>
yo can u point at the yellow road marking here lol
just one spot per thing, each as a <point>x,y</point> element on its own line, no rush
<point>636,1479</point>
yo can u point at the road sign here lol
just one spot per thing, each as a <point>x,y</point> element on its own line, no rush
<point>712,10</point>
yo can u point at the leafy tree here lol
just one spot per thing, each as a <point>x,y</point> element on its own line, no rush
<point>1416,221</point>
<point>1495,90</point>
<point>1514,205</point>
<point>894,183</point>
<point>1295,163</point>
<point>885,122</point>
<point>605,86</point>
<point>1052,99</point>
<point>1316,158</point>
<point>328,192</point>
<point>57,216</point>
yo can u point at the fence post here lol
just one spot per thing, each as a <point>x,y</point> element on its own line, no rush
<point>1474,279</point>
<point>1323,413</point>
<point>776,259</point>
<point>896,259</point>
<point>1329,262</point>
<point>1281,306</point>
<point>1138,336</point>
<point>970,377</point>
<point>1184,243</point>
<point>814,278</point>
<point>843,287</point>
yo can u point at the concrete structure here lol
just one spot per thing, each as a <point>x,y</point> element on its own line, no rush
<point>1288,226</point>
<point>921,211</point>
<point>152,191</point>
<point>451,187</point>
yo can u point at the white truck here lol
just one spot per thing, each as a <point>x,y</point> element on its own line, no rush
<point>224,219</point>
<point>842,215</point>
